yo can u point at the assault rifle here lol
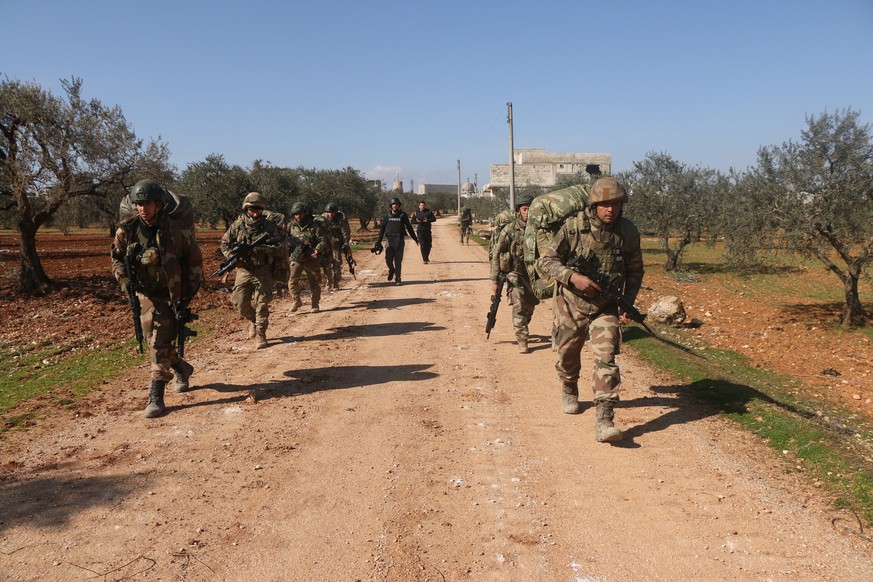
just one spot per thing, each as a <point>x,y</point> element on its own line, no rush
<point>495,303</point>
<point>300,248</point>
<point>349,260</point>
<point>608,287</point>
<point>239,250</point>
<point>135,307</point>
<point>184,316</point>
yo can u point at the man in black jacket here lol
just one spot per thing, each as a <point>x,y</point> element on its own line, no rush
<point>395,225</point>
<point>422,219</point>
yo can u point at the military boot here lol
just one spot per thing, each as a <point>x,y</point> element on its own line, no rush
<point>570,399</point>
<point>183,372</point>
<point>522,347</point>
<point>155,407</point>
<point>295,304</point>
<point>604,431</point>
<point>261,339</point>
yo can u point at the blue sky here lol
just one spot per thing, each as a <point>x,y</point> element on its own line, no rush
<point>411,87</point>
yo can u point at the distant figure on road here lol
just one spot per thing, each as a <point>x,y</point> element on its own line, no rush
<point>465,219</point>
<point>609,245</point>
<point>166,268</point>
<point>422,219</point>
<point>395,225</point>
<point>508,259</point>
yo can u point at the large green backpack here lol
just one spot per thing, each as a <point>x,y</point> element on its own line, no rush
<point>500,221</point>
<point>546,215</point>
<point>177,206</point>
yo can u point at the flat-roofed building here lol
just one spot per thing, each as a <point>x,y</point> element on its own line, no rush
<point>537,167</point>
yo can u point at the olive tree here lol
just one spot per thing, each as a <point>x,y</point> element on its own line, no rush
<point>54,150</point>
<point>671,200</point>
<point>216,189</point>
<point>819,194</point>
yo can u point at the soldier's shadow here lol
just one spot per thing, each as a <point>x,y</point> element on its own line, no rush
<point>310,380</point>
<point>691,402</point>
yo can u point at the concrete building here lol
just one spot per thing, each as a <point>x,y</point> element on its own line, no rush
<point>537,167</point>
<point>437,189</point>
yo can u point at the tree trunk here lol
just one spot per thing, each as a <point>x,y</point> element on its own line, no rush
<point>365,223</point>
<point>853,312</point>
<point>32,278</point>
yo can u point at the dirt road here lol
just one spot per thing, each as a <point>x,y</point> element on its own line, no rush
<point>392,442</point>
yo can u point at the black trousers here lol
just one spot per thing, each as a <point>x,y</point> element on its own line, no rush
<point>394,255</point>
<point>425,242</point>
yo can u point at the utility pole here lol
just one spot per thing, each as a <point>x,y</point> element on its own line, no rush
<point>511,158</point>
<point>459,187</point>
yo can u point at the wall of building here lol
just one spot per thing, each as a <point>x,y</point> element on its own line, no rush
<point>537,167</point>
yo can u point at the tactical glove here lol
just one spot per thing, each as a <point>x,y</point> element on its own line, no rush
<point>125,285</point>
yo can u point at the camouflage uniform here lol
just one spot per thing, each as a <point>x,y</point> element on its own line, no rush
<point>465,219</point>
<point>168,268</point>
<point>281,269</point>
<point>500,222</point>
<point>340,234</point>
<point>253,286</point>
<point>613,251</point>
<point>313,233</point>
<point>508,258</point>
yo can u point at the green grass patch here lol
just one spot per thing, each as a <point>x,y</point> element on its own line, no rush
<point>36,369</point>
<point>830,446</point>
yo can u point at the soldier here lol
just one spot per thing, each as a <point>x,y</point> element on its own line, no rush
<point>508,258</point>
<point>422,219</point>
<point>465,219</point>
<point>340,234</point>
<point>253,286</point>
<point>167,268</point>
<point>313,243</point>
<point>395,225</point>
<point>609,244</point>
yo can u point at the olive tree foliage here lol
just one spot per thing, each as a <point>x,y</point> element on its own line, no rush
<point>278,185</point>
<point>818,193</point>
<point>55,149</point>
<point>216,189</point>
<point>671,200</point>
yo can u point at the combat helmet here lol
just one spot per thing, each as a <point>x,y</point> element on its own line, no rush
<point>607,189</point>
<point>331,207</point>
<point>255,200</point>
<point>298,207</point>
<point>525,201</point>
<point>394,201</point>
<point>146,190</point>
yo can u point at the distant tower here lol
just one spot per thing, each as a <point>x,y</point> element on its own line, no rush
<point>397,185</point>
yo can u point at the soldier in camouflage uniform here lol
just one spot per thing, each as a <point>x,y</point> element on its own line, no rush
<point>340,234</point>
<point>610,245</point>
<point>168,268</point>
<point>508,258</point>
<point>305,257</point>
<point>465,219</point>
<point>253,286</point>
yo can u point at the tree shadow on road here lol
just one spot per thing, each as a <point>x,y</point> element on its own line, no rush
<point>310,380</point>
<point>369,330</point>
<point>382,304</point>
<point>49,503</point>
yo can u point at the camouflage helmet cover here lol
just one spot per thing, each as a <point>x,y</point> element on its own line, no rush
<point>607,189</point>
<point>255,200</point>
<point>331,207</point>
<point>394,201</point>
<point>298,207</point>
<point>525,201</point>
<point>146,190</point>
